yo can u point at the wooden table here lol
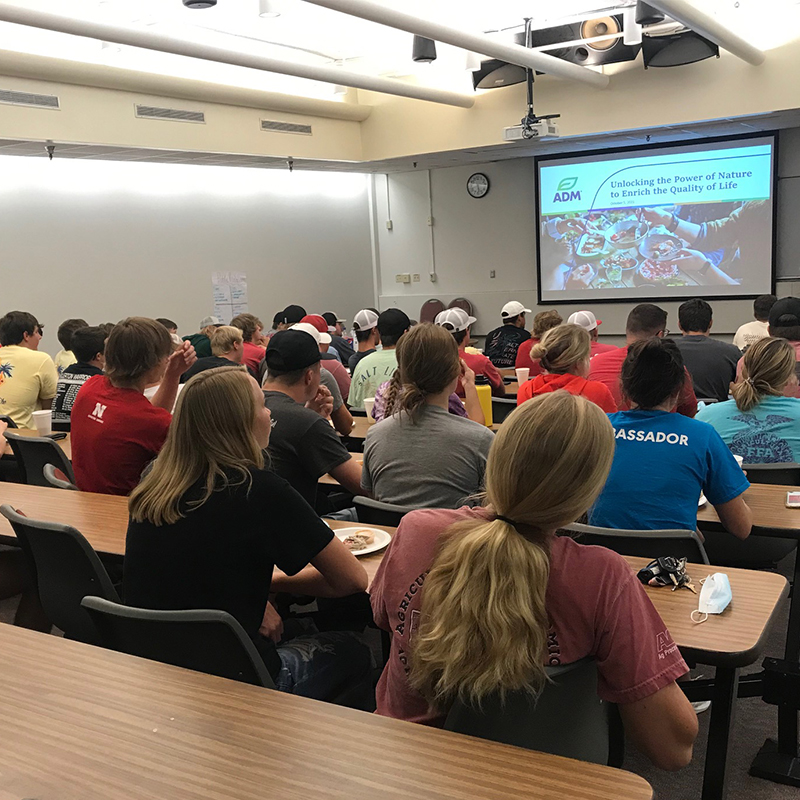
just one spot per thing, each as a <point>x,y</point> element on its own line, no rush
<point>79,721</point>
<point>64,444</point>
<point>768,504</point>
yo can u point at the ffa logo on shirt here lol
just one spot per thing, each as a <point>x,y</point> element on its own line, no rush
<point>97,414</point>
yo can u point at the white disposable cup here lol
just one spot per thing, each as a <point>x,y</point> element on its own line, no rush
<point>739,460</point>
<point>43,420</point>
<point>523,373</point>
<point>369,402</point>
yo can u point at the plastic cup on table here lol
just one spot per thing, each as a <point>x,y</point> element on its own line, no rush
<point>523,373</point>
<point>43,420</point>
<point>739,461</point>
<point>369,402</point>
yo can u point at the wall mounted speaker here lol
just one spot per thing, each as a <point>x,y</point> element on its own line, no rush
<point>677,49</point>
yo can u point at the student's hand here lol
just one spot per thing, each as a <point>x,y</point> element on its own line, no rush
<point>181,360</point>
<point>467,375</point>
<point>271,624</point>
<point>322,403</point>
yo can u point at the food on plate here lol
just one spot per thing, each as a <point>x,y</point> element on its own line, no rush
<point>592,244</point>
<point>359,540</point>
<point>676,282</point>
<point>596,221</point>
<point>581,276</point>
<point>661,248</point>
<point>618,214</point>
<point>573,226</point>
<point>658,271</point>
<point>614,273</point>
<point>602,283</point>
<point>627,235</point>
<point>620,260</point>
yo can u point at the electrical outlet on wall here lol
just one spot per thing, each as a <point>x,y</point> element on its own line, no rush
<point>491,273</point>
<point>415,277</point>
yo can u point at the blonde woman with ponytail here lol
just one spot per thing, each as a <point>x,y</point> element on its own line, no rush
<point>480,601</point>
<point>762,422</point>
<point>563,356</point>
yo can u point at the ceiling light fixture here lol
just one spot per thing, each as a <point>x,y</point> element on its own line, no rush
<point>199,3</point>
<point>424,50</point>
<point>268,8</point>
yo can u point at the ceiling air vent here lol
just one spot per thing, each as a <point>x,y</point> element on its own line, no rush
<point>285,127</point>
<point>13,98</point>
<point>174,114</point>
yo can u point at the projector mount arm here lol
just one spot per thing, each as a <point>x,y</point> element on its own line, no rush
<point>530,120</point>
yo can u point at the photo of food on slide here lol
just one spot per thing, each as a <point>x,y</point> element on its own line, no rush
<point>677,221</point>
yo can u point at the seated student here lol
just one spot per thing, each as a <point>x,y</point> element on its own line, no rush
<point>542,322</point>
<point>338,342</point>
<point>762,422</point>
<point>116,430</point>
<point>711,363</point>
<point>88,344</point>
<point>172,327</point>
<point>28,378</point>
<point>458,322</point>
<point>564,354</point>
<point>421,455</point>
<point>316,326</point>
<point>589,322</point>
<point>303,445</point>
<point>645,321</point>
<point>65,356</point>
<point>290,315</point>
<point>378,367</point>
<point>365,325</point>
<point>502,598</point>
<point>664,461</point>
<point>251,329</point>
<point>751,332</point>
<point>182,551</point>
<point>201,342</point>
<point>227,346</point>
<point>502,343</point>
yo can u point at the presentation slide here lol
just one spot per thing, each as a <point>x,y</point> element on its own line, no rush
<point>686,221</point>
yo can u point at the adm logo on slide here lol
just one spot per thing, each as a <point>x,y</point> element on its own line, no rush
<point>564,193</point>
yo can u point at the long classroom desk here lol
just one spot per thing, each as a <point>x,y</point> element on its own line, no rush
<point>728,641</point>
<point>80,721</point>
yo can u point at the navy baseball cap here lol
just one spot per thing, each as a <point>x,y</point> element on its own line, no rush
<point>291,350</point>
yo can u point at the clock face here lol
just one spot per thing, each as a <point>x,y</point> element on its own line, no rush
<point>478,185</point>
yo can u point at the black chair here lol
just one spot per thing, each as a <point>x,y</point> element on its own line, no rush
<point>10,422</point>
<point>51,476</point>
<point>207,641</point>
<point>374,512</point>
<point>786,474</point>
<point>501,408</point>
<point>67,569</point>
<point>566,719</point>
<point>33,453</point>
<point>647,544</point>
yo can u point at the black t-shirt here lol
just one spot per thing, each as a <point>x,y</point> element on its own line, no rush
<point>502,343</point>
<point>711,363</point>
<point>221,554</point>
<point>356,357</point>
<point>69,383</point>
<point>210,362</point>
<point>342,348</point>
<point>302,445</point>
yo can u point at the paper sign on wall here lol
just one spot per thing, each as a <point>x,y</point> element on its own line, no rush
<point>230,294</point>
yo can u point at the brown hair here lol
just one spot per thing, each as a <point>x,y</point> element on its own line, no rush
<point>562,347</point>
<point>248,324</point>
<point>428,360</point>
<point>768,366</point>
<point>135,346</point>
<point>224,338</point>
<point>544,321</point>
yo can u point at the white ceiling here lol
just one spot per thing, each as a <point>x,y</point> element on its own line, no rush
<point>309,34</point>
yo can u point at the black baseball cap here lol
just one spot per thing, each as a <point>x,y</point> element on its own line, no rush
<point>785,313</point>
<point>393,322</point>
<point>291,350</point>
<point>293,314</point>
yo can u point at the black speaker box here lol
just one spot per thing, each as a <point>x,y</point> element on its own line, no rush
<point>677,50</point>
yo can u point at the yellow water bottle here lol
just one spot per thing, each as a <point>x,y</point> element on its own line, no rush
<point>485,396</point>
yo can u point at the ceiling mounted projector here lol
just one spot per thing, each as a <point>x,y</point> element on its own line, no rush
<point>199,3</point>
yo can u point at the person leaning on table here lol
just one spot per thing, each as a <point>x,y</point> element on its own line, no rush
<point>504,596</point>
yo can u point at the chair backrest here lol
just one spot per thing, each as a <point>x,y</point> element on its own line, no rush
<point>10,422</point>
<point>67,569</point>
<point>787,474</point>
<point>33,452</point>
<point>648,544</point>
<point>566,719</point>
<point>376,513</point>
<point>429,310</point>
<point>501,408</point>
<point>51,475</point>
<point>707,400</point>
<point>209,641</point>
<point>463,304</point>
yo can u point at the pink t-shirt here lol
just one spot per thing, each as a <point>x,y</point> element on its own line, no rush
<point>596,605</point>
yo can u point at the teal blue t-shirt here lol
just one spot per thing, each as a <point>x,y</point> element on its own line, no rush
<point>767,434</point>
<point>662,462</point>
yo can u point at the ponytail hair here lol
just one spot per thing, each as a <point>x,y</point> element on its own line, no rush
<point>769,365</point>
<point>562,347</point>
<point>652,372</point>
<point>484,622</point>
<point>391,394</point>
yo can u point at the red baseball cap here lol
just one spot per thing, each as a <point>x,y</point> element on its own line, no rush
<point>317,320</point>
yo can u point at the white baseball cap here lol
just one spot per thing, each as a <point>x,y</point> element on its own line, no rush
<point>585,319</point>
<point>514,309</point>
<point>206,321</point>
<point>365,319</point>
<point>307,327</point>
<point>456,318</point>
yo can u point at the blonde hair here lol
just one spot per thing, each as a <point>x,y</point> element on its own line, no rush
<point>544,321</point>
<point>224,338</point>
<point>428,360</point>
<point>768,366</point>
<point>210,438</point>
<point>484,623</point>
<point>562,347</point>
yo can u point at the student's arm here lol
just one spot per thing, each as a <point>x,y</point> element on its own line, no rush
<point>3,440</point>
<point>471,401</point>
<point>348,476</point>
<point>48,381</point>
<point>334,572</point>
<point>178,363</point>
<point>687,400</point>
<point>495,379</point>
<point>736,517</point>
<point>342,420</point>
<point>662,726</point>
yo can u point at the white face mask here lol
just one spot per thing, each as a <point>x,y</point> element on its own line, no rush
<point>715,596</point>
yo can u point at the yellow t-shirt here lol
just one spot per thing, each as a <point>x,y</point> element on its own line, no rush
<point>26,376</point>
<point>64,359</point>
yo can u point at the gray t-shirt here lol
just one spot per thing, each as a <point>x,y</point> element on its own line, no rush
<point>327,380</point>
<point>436,461</point>
<point>711,363</point>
